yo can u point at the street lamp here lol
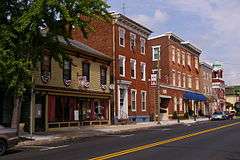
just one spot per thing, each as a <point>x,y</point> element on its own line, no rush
<point>158,81</point>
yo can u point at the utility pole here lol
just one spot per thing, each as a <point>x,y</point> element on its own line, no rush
<point>158,88</point>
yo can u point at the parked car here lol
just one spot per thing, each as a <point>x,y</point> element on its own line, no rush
<point>218,116</point>
<point>230,115</point>
<point>8,139</point>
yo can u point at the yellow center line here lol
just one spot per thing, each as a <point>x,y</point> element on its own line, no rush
<point>158,143</point>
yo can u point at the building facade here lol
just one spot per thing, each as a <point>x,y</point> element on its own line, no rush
<point>218,86</point>
<point>74,94</point>
<point>126,41</point>
<point>179,75</point>
<point>232,96</point>
<point>206,87</point>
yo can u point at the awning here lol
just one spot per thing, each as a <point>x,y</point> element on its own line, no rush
<point>194,96</point>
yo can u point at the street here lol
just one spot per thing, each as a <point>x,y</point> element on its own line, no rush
<point>203,140</point>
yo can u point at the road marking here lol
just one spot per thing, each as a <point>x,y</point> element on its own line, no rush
<point>147,146</point>
<point>51,148</point>
<point>121,135</point>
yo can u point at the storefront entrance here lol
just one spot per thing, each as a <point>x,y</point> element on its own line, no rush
<point>39,113</point>
<point>164,108</point>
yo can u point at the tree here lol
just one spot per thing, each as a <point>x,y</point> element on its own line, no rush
<point>28,27</point>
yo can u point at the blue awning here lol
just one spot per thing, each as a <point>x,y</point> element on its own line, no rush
<point>194,96</point>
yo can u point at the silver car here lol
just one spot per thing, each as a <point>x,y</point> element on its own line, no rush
<point>8,139</point>
<point>218,116</point>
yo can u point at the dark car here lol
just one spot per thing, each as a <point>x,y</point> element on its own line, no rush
<point>8,139</point>
<point>230,115</point>
<point>218,116</point>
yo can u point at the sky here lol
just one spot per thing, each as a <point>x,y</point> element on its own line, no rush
<point>212,25</point>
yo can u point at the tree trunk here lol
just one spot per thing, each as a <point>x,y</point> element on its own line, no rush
<point>16,112</point>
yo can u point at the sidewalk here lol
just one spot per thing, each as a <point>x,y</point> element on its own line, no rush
<point>69,134</point>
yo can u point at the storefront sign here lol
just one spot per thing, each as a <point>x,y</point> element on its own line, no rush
<point>76,115</point>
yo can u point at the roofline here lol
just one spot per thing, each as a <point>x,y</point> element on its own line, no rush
<point>171,34</point>
<point>206,65</point>
<point>119,15</point>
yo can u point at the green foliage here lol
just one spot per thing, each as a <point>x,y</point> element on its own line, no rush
<point>29,27</point>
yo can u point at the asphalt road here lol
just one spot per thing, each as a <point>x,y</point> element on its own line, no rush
<point>217,140</point>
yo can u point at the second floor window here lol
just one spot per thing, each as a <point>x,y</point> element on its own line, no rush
<point>189,82</point>
<point>155,53</point>
<point>103,75</point>
<point>197,84</point>
<point>173,78</point>
<point>179,79</point>
<point>143,71</point>
<point>184,81</point>
<point>143,43</point>
<point>86,70</point>
<point>121,37</point>
<point>67,69</point>
<point>132,41</point>
<point>46,68</point>
<point>133,68</point>
<point>121,62</point>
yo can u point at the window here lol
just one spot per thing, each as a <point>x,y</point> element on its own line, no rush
<point>189,60</point>
<point>173,54</point>
<point>67,70</point>
<point>133,99</point>
<point>121,37</point>
<point>122,60</point>
<point>132,41</point>
<point>155,53</point>
<point>143,71</point>
<point>143,100</point>
<point>133,68</point>
<point>155,71</point>
<point>196,62</point>
<point>184,81</point>
<point>103,75</point>
<point>173,78</point>
<point>179,79</point>
<point>175,103</point>
<point>46,68</point>
<point>189,82</point>
<point>197,84</point>
<point>143,43</point>
<point>178,57</point>
<point>180,104</point>
<point>183,59</point>
<point>86,70</point>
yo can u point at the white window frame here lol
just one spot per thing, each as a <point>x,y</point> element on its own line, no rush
<point>124,65</point>
<point>173,54</point>
<point>144,70</point>
<point>179,79</point>
<point>189,59</point>
<point>173,78</point>
<point>143,44</point>
<point>178,56</point>
<point>175,103</point>
<point>184,80</point>
<point>135,70</point>
<point>189,81</point>
<point>121,34</point>
<point>145,99</point>
<point>183,59</point>
<point>159,53</point>
<point>197,83</point>
<point>196,62</point>
<point>134,41</point>
<point>134,90</point>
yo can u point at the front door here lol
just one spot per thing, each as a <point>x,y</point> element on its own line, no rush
<point>122,104</point>
<point>164,108</point>
<point>39,113</point>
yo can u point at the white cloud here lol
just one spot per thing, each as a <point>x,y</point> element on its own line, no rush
<point>159,17</point>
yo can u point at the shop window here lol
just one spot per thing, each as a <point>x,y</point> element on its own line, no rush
<point>46,68</point>
<point>86,70</point>
<point>67,67</point>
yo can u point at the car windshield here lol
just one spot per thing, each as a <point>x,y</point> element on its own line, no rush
<point>217,113</point>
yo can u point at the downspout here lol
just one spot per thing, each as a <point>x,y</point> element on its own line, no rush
<point>114,70</point>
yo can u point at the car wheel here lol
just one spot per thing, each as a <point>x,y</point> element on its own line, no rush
<point>3,147</point>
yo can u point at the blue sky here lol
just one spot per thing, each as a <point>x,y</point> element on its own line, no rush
<point>212,25</point>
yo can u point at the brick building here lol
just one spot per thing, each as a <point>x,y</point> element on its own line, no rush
<point>206,87</point>
<point>75,94</point>
<point>218,86</point>
<point>179,76</point>
<point>126,41</point>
